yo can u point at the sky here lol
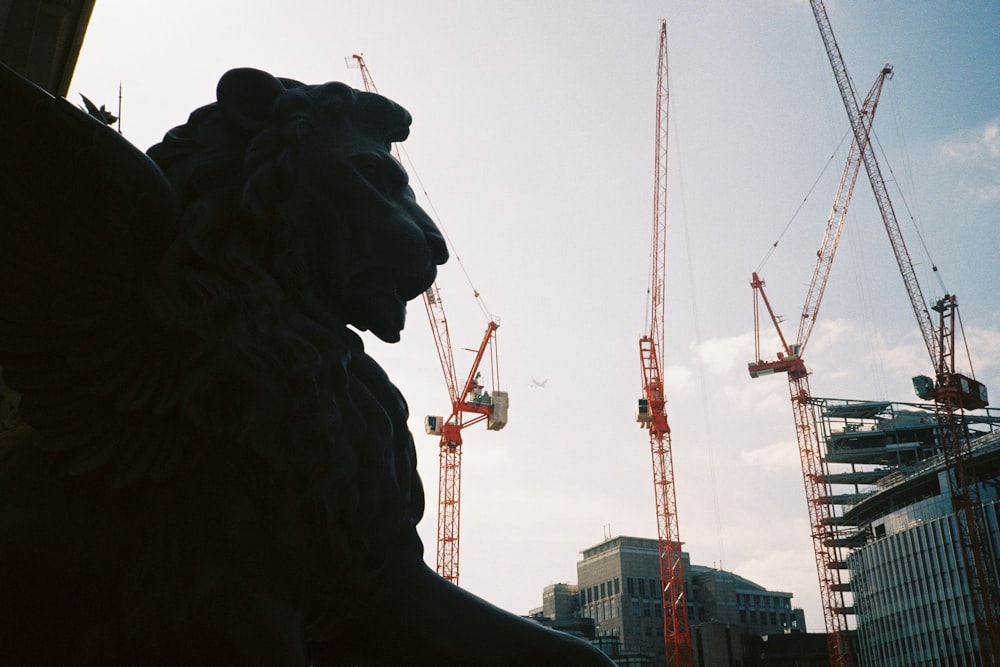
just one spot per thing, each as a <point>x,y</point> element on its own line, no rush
<point>532,145</point>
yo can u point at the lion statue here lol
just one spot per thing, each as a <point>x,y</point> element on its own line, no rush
<point>206,467</point>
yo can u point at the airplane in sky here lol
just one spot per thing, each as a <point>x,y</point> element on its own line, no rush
<point>535,384</point>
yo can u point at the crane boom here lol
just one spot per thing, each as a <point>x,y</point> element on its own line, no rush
<point>652,406</point>
<point>951,392</point>
<point>838,212</point>
<point>833,582</point>
<point>899,249</point>
<point>469,398</point>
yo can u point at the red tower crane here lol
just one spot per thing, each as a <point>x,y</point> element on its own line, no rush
<point>471,403</point>
<point>829,564</point>
<point>470,398</point>
<point>951,392</point>
<point>652,406</point>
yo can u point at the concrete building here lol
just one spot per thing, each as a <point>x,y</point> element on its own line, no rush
<point>892,494</point>
<point>559,601</point>
<point>725,597</point>
<point>618,586</point>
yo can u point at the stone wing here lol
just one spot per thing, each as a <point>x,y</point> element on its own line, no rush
<point>84,219</point>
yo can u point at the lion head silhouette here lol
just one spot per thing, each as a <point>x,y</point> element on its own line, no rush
<point>319,191</point>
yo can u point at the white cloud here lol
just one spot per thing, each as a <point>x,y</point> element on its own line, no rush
<point>978,151</point>
<point>678,377</point>
<point>986,346</point>
<point>776,456</point>
<point>908,357</point>
<point>981,144</point>
<point>985,193</point>
<point>903,357</point>
<point>721,355</point>
<point>831,332</point>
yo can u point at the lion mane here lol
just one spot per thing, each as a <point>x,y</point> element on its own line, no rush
<point>284,375</point>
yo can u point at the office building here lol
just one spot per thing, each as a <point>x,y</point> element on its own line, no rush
<point>618,586</point>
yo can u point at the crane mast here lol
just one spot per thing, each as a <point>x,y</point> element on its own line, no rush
<point>471,403</point>
<point>652,406</point>
<point>951,392</point>
<point>829,563</point>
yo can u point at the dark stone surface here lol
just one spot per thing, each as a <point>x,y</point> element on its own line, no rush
<point>207,468</point>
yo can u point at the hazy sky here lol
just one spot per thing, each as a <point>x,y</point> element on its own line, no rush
<point>533,136</point>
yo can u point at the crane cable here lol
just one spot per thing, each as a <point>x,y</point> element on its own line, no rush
<point>865,302</point>
<point>909,214</point>
<point>907,172</point>
<point>451,244</point>
<point>412,171</point>
<point>795,214</point>
<point>697,341</point>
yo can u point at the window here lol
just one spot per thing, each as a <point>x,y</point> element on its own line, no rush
<point>642,587</point>
<point>630,585</point>
<point>617,590</point>
<point>603,591</point>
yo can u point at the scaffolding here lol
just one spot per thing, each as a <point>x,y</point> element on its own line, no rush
<point>872,446</point>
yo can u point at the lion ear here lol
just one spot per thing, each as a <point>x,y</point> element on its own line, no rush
<point>246,95</point>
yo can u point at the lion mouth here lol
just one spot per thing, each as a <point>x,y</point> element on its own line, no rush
<point>377,302</point>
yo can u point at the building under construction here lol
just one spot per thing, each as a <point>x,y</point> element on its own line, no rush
<point>890,487</point>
